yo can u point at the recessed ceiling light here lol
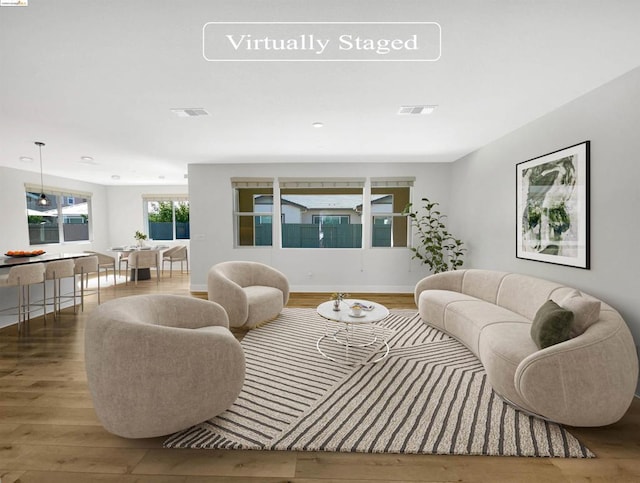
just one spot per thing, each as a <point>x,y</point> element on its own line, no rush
<point>189,111</point>
<point>318,124</point>
<point>87,160</point>
<point>115,176</point>
<point>26,159</point>
<point>424,109</point>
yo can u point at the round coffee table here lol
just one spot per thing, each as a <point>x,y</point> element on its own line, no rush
<point>349,323</point>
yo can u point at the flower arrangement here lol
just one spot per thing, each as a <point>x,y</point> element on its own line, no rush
<point>338,297</point>
<point>140,237</point>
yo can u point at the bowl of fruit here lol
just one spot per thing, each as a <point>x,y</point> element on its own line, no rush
<point>24,253</point>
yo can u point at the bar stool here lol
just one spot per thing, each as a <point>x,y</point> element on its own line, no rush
<point>57,270</point>
<point>83,267</point>
<point>105,262</point>
<point>23,276</point>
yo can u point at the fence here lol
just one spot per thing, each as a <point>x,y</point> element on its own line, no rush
<point>164,230</point>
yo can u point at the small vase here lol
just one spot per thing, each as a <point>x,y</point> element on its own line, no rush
<point>336,305</point>
<point>140,243</point>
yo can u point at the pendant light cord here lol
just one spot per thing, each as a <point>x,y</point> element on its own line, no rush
<point>43,198</point>
<point>41,179</point>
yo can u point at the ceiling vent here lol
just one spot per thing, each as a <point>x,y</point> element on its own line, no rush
<point>405,110</point>
<point>190,112</point>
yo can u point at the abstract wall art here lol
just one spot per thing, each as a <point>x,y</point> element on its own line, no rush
<point>552,207</point>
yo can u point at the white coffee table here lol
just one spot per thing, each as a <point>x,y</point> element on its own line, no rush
<point>348,324</point>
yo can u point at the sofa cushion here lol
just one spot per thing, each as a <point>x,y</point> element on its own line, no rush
<point>551,325</point>
<point>433,304</point>
<point>482,284</point>
<point>586,312</point>
<point>524,294</point>
<point>265,303</point>
<point>468,318</point>
<point>502,348</point>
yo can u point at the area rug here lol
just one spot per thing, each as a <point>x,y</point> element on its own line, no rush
<point>429,396</point>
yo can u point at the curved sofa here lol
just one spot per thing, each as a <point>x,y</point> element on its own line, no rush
<point>157,364</point>
<point>251,292</point>
<point>588,380</point>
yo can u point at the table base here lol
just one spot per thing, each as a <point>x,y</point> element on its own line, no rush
<point>346,343</point>
<point>143,274</point>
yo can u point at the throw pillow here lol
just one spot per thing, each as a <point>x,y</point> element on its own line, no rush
<point>586,312</point>
<point>551,325</point>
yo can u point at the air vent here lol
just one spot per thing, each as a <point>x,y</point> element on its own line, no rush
<point>406,110</point>
<point>190,112</point>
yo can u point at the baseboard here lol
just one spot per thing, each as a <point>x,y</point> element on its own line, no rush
<point>390,289</point>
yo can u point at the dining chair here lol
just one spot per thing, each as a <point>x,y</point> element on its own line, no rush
<point>123,257</point>
<point>23,277</point>
<point>144,259</point>
<point>175,254</point>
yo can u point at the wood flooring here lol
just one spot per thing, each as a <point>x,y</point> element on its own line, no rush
<point>49,432</point>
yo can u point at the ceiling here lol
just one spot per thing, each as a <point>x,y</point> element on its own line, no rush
<point>98,78</point>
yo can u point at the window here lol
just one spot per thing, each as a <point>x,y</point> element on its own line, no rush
<point>65,219</point>
<point>321,213</point>
<point>389,196</point>
<point>167,217</point>
<point>253,211</point>
<point>330,219</point>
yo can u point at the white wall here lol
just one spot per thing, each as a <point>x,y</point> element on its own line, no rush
<point>126,213</point>
<point>308,270</point>
<point>484,194</point>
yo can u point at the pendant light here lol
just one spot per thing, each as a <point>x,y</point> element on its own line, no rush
<point>43,200</point>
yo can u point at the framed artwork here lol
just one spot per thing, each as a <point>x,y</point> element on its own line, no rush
<point>552,207</point>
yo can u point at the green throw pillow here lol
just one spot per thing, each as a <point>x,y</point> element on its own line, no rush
<point>551,325</point>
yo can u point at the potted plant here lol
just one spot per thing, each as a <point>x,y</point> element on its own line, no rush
<point>140,237</point>
<point>438,248</point>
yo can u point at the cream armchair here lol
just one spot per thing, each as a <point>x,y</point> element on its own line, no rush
<point>157,364</point>
<point>252,293</point>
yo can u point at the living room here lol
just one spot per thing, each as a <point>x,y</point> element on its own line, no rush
<point>585,92</point>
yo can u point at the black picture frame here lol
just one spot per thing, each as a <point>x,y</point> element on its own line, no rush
<point>552,207</point>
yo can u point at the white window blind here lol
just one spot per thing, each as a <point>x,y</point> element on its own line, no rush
<point>165,197</point>
<point>251,182</point>
<point>321,182</point>
<point>33,188</point>
<point>392,182</point>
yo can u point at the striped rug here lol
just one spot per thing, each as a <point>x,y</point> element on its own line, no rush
<point>430,395</point>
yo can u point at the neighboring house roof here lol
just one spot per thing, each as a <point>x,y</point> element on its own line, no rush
<point>323,202</point>
<point>268,200</point>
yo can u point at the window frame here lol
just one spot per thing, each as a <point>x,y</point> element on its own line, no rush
<point>395,187</point>
<point>241,189</point>
<point>165,198</point>
<point>61,197</point>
